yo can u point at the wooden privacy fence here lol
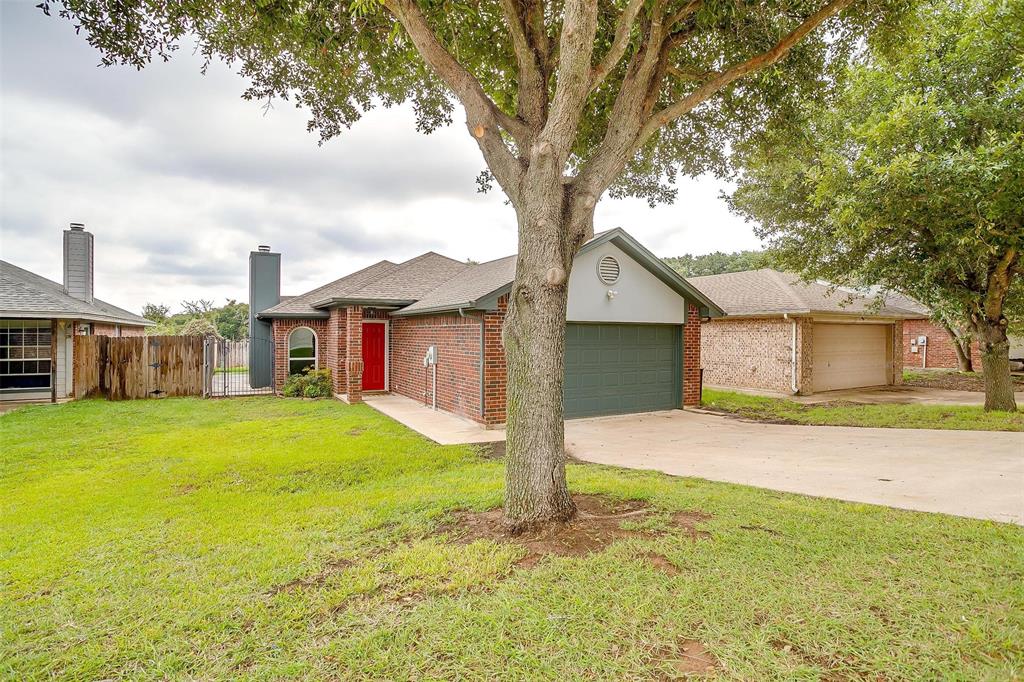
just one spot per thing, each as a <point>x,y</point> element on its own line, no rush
<point>128,368</point>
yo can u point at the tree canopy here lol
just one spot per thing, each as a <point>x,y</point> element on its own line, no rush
<point>717,263</point>
<point>912,175</point>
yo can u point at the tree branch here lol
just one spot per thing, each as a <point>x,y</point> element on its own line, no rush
<point>763,60</point>
<point>576,46</point>
<point>532,95</point>
<point>483,115</point>
<point>623,29</point>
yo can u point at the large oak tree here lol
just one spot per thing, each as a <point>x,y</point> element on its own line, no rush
<point>912,176</point>
<point>567,100</point>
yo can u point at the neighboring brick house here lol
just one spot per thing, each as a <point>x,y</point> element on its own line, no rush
<point>786,336</point>
<point>632,331</point>
<point>937,352</point>
<point>39,318</point>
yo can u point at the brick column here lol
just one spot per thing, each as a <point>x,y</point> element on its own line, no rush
<point>897,352</point>
<point>691,357</point>
<point>337,336</point>
<point>805,356</point>
<point>354,354</point>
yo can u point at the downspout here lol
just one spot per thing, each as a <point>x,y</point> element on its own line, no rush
<point>792,370</point>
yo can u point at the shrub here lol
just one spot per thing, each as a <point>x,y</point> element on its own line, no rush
<point>312,383</point>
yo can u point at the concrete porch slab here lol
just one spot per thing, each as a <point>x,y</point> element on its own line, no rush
<point>439,426</point>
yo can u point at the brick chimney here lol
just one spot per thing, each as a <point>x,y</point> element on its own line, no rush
<point>78,262</point>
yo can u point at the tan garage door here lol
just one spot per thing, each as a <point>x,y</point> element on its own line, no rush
<point>850,355</point>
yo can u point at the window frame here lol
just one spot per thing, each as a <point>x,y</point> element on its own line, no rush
<point>316,354</point>
<point>40,353</point>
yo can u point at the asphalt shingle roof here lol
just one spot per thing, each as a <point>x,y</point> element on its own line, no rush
<point>469,286</point>
<point>384,281</point>
<point>26,294</point>
<point>770,292</point>
<point>298,305</point>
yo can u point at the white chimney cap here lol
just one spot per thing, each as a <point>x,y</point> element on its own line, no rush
<point>78,227</point>
<point>263,248</point>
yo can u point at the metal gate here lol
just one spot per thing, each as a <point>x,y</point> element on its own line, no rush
<point>237,368</point>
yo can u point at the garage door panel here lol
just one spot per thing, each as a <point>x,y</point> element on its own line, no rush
<point>849,356</point>
<point>614,369</point>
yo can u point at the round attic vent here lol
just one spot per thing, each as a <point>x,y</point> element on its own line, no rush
<point>608,270</point>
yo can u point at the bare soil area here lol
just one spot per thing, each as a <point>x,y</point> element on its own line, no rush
<point>598,523</point>
<point>953,381</point>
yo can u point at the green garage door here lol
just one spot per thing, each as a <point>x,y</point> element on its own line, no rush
<point>621,368</point>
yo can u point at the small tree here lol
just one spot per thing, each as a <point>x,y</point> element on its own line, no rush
<point>717,263</point>
<point>199,326</point>
<point>566,99</point>
<point>913,177</point>
<point>155,312</point>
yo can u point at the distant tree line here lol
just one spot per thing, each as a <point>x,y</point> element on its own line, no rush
<point>718,262</point>
<point>200,318</point>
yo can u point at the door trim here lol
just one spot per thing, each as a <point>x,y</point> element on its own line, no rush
<point>387,351</point>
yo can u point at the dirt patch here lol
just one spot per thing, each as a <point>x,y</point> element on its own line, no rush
<point>598,523</point>
<point>355,431</point>
<point>955,381</point>
<point>662,564</point>
<point>332,567</point>
<point>687,657</point>
<point>770,531</point>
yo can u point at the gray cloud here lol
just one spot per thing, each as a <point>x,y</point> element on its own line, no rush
<point>179,178</point>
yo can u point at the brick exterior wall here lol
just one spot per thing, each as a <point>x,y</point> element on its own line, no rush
<point>336,349</point>
<point>354,354</point>
<point>495,369</point>
<point>749,353</point>
<point>458,342</point>
<point>691,356</point>
<point>757,353</point>
<point>940,346</point>
<point>104,329</point>
<point>281,329</point>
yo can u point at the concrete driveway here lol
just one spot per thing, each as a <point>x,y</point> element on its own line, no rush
<point>978,474</point>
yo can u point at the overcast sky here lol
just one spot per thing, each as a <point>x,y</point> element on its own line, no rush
<point>179,178</point>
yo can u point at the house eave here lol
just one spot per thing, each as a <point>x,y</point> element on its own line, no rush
<point>65,315</point>
<point>316,315</point>
<point>393,303</point>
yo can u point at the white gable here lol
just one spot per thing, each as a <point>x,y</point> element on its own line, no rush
<point>639,296</point>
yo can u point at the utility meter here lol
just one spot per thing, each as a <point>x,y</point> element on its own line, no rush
<point>922,340</point>
<point>431,357</point>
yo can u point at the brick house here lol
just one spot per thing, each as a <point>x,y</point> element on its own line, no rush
<point>786,336</point>
<point>632,331</point>
<point>40,317</point>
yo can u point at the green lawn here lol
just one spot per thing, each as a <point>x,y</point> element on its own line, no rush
<point>269,539</point>
<point>845,414</point>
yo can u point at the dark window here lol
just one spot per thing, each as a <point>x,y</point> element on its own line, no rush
<point>25,354</point>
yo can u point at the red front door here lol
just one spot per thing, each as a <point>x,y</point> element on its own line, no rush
<point>373,356</point>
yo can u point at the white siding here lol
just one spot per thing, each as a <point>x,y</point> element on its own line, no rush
<point>65,344</point>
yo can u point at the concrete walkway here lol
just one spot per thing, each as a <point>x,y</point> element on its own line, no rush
<point>881,395</point>
<point>978,474</point>
<point>441,427</point>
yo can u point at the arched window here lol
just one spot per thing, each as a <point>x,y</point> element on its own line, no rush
<point>301,350</point>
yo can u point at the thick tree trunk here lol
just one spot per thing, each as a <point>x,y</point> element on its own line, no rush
<point>995,362</point>
<point>534,337</point>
